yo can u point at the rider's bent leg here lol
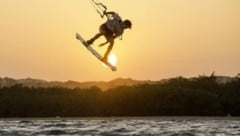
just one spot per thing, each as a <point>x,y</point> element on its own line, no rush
<point>89,42</point>
<point>109,49</point>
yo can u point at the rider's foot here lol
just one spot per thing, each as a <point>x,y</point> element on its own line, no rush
<point>104,59</point>
<point>89,42</point>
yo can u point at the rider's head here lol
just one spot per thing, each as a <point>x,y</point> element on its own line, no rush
<point>127,23</point>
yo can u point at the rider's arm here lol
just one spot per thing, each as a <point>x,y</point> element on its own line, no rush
<point>109,13</point>
<point>112,15</point>
<point>117,34</point>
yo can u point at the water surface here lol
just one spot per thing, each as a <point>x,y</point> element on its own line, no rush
<point>164,126</point>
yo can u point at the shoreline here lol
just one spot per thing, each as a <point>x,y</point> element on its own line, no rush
<point>125,118</point>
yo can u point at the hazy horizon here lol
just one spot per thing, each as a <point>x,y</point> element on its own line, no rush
<point>169,38</point>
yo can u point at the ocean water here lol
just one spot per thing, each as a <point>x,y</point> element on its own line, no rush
<point>138,126</point>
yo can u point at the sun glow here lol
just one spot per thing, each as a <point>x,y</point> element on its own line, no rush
<point>112,58</point>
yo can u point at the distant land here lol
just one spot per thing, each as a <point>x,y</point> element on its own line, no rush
<point>36,83</point>
<point>197,96</point>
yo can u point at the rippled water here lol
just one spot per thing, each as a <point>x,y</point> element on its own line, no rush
<point>167,126</point>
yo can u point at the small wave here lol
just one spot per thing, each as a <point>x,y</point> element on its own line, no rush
<point>121,130</point>
<point>2,132</point>
<point>25,122</point>
<point>61,125</point>
<point>54,132</point>
<point>183,134</point>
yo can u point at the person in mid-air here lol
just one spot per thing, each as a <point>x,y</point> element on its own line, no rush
<point>113,28</point>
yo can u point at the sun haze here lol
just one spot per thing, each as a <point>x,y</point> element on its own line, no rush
<point>112,59</point>
<point>168,38</point>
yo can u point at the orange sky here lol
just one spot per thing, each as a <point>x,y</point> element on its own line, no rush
<point>169,38</point>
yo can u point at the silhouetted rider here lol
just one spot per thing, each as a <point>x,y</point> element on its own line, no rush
<point>111,29</point>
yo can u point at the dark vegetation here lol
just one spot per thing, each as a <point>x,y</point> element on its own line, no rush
<point>202,96</point>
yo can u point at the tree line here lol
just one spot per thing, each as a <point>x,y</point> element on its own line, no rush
<point>201,96</point>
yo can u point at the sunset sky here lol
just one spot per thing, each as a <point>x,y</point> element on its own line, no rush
<point>169,38</point>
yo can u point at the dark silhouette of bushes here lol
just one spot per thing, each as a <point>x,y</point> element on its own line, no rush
<point>201,96</point>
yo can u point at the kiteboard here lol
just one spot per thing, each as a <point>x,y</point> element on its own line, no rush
<point>94,52</point>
